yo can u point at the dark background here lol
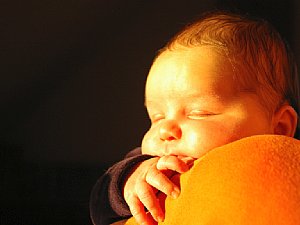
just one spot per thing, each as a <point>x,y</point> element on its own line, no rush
<point>72,80</point>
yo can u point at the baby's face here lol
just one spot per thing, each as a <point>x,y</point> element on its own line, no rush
<point>194,105</point>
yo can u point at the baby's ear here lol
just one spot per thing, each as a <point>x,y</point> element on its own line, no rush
<point>285,121</point>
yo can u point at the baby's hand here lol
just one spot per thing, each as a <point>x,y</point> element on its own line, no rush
<point>148,178</point>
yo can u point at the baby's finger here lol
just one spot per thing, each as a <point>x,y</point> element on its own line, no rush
<point>171,162</point>
<point>147,196</point>
<point>161,182</point>
<point>137,210</point>
<point>189,161</point>
<point>150,220</point>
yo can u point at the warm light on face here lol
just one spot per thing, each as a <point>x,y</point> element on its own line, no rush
<point>192,92</point>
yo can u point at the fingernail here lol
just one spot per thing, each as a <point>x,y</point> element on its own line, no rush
<point>160,219</point>
<point>175,193</point>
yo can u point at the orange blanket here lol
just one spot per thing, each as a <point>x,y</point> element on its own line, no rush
<point>254,181</point>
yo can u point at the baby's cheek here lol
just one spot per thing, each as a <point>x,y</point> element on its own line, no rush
<point>211,136</point>
<point>149,143</point>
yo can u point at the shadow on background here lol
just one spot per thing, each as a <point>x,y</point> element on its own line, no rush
<point>71,92</point>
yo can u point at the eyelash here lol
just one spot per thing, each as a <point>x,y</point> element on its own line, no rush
<point>199,114</point>
<point>157,117</point>
<point>194,114</point>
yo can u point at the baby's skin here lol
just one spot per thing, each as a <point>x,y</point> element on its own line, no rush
<point>194,106</point>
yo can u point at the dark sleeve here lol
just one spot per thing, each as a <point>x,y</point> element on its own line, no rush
<point>107,204</point>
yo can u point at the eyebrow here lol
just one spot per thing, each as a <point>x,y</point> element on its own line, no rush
<point>188,96</point>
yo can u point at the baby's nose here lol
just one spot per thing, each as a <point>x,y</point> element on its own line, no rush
<point>169,130</point>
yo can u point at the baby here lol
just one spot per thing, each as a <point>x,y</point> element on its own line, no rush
<point>223,78</point>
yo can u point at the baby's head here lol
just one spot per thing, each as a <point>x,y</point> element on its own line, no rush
<point>222,78</point>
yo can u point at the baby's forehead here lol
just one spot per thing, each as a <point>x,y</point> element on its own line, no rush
<point>194,56</point>
<point>197,72</point>
<point>220,56</point>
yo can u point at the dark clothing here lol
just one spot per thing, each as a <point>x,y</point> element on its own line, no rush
<point>107,204</point>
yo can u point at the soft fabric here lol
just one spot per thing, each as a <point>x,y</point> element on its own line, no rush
<point>254,181</point>
<point>106,202</point>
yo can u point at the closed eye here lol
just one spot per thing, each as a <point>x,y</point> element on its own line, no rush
<point>199,114</point>
<point>156,117</point>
